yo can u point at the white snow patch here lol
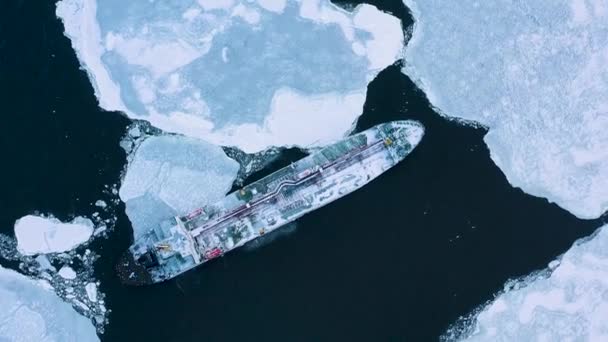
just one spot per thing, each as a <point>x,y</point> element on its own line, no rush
<point>30,312</point>
<point>580,11</point>
<point>225,54</point>
<point>534,73</point>
<point>191,13</point>
<point>216,4</point>
<point>385,46</point>
<point>250,15</point>
<point>294,115</point>
<point>160,58</point>
<point>277,6</point>
<point>37,234</point>
<point>569,305</point>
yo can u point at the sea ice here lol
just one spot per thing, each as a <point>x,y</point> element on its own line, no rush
<point>67,272</point>
<point>101,203</point>
<point>535,73</point>
<point>44,263</point>
<point>250,74</point>
<point>33,313</point>
<point>571,304</point>
<point>91,289</point>
<point>36,234</point>
<point>173,175</point>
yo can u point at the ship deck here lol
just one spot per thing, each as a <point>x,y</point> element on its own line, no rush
<point>292,192</point>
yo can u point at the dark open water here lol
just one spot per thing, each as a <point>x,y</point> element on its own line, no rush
<point>398,260</point>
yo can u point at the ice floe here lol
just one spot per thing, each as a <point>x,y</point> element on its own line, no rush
<point>36,234</point>
<point>567,302</point>
<point>250,74</point>
<point>66,272</point>
<point>44,263</point>
<point>173,175</point>
<point>535,73</point>
<point>32,313</point>
<point>91,289</point>
<point>101,203</point>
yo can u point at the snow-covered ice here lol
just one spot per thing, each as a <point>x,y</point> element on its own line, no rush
<point>36,234</point>
<point>101,203</point>
<point>535,73</point>
<point>571,304</point>
<point>67,272</point>
<point>250,74</point>
<point>173,175</point>
<point>32,313</point>
<point>44,263</point>
<point>91,289</point>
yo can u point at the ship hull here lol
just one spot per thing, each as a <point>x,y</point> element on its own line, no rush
<point>266,205</point>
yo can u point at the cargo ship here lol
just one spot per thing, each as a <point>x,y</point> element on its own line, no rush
<point>184,242</point>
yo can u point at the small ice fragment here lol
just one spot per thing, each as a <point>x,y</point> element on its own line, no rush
<point>553,264</point>
<point>81,304</point>
<point>101,203</point>
<point>44,263</point>
<point>135,132</point>
<point>91,289</point>
<point>100,230</point>
<point>67,272</point>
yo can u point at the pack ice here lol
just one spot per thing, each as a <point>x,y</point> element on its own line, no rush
<point>250,74</point>
<point>569,305</point>
<point>36,234</point>
<point>535,73</point>
<point>33,313</point>
<point>173,175</point>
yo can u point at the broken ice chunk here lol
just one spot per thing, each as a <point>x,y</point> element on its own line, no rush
<point>36,234</point>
